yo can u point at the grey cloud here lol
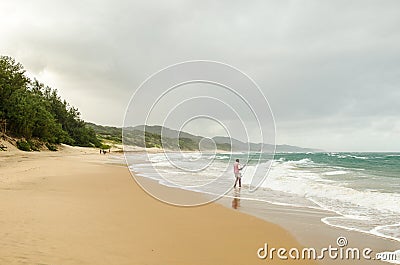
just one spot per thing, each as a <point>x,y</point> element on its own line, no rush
<point>330,69</point>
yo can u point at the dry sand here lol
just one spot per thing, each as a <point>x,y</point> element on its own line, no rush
<point>74,207</point>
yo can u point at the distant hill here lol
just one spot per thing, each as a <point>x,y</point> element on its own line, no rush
<point>284,148</point>
<point>110,133</point>
<point>150,136</point>
<point>155,136</point>
<point>242,146</point>
<point>173,139</point>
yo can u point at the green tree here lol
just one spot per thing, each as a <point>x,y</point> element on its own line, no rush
<point>35,110</point>
<point>12,78</point>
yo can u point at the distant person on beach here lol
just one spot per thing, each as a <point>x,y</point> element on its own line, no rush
<point>236,169</point>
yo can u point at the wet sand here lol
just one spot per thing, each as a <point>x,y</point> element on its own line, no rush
<point>306,226</point>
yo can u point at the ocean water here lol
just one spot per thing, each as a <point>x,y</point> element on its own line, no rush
<point>363,189</point>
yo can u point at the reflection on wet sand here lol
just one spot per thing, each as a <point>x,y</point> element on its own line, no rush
<point>236,198</point>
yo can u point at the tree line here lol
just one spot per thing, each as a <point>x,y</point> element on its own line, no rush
<point>32,110</point>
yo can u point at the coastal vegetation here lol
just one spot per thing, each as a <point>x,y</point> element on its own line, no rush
<point>35,113</point>
<point>155,137</point>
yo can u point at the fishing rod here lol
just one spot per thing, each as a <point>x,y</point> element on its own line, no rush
<point>250,159</point>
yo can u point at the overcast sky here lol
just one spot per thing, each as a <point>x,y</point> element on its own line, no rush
<point>329,69</point>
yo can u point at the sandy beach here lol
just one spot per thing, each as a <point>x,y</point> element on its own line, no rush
<point>75,207</point>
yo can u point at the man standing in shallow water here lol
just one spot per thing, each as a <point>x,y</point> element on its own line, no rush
<point>236,169</point>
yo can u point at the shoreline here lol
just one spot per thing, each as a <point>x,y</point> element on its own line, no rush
<point>306,226</point>
<point>76,207</point>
